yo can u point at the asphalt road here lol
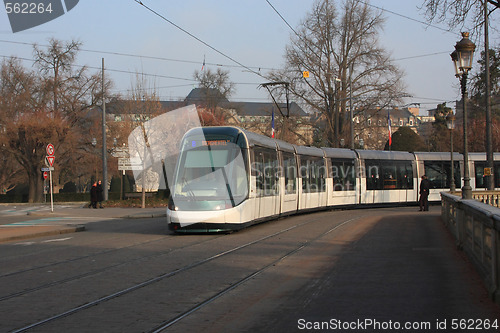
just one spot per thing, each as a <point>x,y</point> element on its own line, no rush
<point>316,271</point>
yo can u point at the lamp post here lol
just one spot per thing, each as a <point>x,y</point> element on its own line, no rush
<point>94,144</point>
<point>450,123</point>
<point>462,59</point>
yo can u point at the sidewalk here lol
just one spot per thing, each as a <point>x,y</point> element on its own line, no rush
<point>43,222</point>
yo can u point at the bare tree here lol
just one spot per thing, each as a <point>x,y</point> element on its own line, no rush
<point>477,12</point>
<point>457,12</point>
<point>216,88</point>
<point>45,106</point>
<point>340,50</point>
<point>143,104</point>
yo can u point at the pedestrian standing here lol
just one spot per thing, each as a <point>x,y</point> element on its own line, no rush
<point>99,194</point>
<point>93,196</point>
<point>425,186</point>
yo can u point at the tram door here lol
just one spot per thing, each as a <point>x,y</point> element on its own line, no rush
<point>266,170</point>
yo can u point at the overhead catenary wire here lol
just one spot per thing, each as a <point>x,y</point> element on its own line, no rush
<point>407,17</point>
<point>101,52</point>
<point>214,64</point>
<point>388,11</point>
<point>199,39</point>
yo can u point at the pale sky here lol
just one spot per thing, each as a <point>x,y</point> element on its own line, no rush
<point>248,31</point>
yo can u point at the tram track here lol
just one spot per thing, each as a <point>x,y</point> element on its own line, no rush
<point>53,264</point>
<point>187,268</point>
<point>98,271</point>
<point>170,322</point>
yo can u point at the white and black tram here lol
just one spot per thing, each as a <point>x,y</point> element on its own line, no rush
<point>227,178</point>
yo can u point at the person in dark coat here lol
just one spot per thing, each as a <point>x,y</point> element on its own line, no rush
<point>93,196</point>
<point>425,186</point>
<point>99,194</point>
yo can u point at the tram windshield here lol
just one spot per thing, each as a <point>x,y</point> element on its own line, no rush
<point>211,173</point>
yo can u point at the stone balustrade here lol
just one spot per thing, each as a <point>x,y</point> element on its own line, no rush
<point>476,228</point>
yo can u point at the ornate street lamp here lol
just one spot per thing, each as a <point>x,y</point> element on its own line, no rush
<point>462,59</point>
<point>450,123</point>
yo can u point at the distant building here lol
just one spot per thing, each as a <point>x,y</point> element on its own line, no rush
<point>372,127</point>
<point>254,116</point>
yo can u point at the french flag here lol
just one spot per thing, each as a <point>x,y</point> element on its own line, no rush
<point>272,123</point>
<point>390,131</point>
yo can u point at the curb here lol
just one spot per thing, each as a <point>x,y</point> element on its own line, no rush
<point>145,215</point>
<point>23,234</point>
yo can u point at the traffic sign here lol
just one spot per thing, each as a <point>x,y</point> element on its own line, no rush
<point>47,169</point>
<point>50,149</point>
<point>120,152</point>
<point>127,164</point>
<point>51,160</point>
<point>45,174</point>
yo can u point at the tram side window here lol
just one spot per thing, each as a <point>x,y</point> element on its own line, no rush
<point>479,173</point>
<point>313,174</point>
<point>373,180</point>
<point>388,175</point>
<point>496,167</point>
<point>439,173</point>
<point>290,173</point>
<point>266,170</point>
<point>480,177</point>
<point>343,173</point>
<point>405,175</point>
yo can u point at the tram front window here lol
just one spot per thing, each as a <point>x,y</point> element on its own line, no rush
<point>210,178</point>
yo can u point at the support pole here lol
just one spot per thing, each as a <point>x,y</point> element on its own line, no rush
<point>104,150</point>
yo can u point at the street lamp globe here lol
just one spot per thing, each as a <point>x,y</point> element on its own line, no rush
<point>454,58</point>
<point>464,54</point>
<point>450,121</point>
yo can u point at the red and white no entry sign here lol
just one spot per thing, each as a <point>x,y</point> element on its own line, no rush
<point>50,149</point>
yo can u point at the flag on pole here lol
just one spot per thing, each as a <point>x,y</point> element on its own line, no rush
<point>203,65</point>
<point>272,123</point>
<point>389,125</point>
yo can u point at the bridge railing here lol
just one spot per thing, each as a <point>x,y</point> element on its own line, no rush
<point>476,227</point>
<point>491,198</point>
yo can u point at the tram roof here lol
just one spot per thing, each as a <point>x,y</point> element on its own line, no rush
<point>264,141</point>
<point>259,140</point>
<point>438,156</point>
<point>482,157</point>
<point>310,151</point>
<point>340,153</point>
<point>385,155</point>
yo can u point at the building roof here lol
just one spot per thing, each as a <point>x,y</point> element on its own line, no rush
<point>197,96</point>
<point>258,109</point>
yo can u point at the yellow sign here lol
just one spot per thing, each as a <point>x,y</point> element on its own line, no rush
<point>487,171</point>
<point>305,74</point>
